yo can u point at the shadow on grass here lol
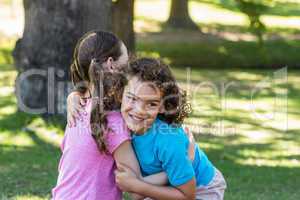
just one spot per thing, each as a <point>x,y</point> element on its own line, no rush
<point>16,121</point>
<point>213,52</point>
<point>255,181</point>
<point>32,170</point>
<point>28,170</point>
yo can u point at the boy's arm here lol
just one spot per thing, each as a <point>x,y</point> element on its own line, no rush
<point>157,179</point>
<point>186,191</point>
<point>127,181</point>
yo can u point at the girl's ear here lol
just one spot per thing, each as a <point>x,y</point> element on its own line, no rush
<point>109,64</point>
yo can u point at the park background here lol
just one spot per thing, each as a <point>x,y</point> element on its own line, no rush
<point>238,59</point>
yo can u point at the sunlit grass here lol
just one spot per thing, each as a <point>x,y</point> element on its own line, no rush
<point>150,14</point>
<point>19,139</point>
<point>204,52</point>
<point>22,197</point>
<point>28,147</point>
<point>249,132</point>
<point>29,197</point>
<point>240,146</point>
<point>207,13</point>
<point>156,11</point>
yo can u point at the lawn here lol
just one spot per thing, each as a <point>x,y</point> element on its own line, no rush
<point>246,120</point>
<point>258,157</point>
<point>224,40</point>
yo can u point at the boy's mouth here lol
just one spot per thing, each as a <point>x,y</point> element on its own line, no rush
<point>136,118</point>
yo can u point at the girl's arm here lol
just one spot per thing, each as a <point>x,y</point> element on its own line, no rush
<point>124,155</point>
<point>128,181</point>
<point>75,103</point>
<point>176,159</point>
<point>183,192</point>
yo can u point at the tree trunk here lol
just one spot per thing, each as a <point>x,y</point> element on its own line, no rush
<point>179,16</point>
<point>44,53</point>
<point>123,14</point>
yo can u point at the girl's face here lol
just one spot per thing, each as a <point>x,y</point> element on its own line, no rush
<point>123,59</point>
<point>141,104</point>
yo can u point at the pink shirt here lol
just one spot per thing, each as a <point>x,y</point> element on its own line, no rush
<point>84,172</point>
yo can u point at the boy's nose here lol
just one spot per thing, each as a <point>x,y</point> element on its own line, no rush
<point>139,108</point>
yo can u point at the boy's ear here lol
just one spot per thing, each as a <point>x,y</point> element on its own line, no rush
<point>162,109</point>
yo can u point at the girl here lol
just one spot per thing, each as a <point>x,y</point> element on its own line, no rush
<point>153,108</point>
<point>90,149</point>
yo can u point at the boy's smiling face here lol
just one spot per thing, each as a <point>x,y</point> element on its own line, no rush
<point>141,104</point>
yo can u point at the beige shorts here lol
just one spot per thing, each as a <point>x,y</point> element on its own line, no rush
<point>214,190</point>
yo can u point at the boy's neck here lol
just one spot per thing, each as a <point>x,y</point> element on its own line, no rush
<point>142,132</point>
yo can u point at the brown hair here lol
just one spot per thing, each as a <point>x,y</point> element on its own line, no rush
<point>93,49</point>
<point>99,45</point>
<point>174,99</point>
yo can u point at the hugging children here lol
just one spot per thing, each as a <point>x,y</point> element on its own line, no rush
<point>131,136</point>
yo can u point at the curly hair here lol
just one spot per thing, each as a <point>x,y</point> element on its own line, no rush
<point>174,99</point>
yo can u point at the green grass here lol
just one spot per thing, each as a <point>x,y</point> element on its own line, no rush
<point>259,159</point>
<point>225,41</point>
<point>282,14</point>
<point>28,147</point>
<point>213,52</point>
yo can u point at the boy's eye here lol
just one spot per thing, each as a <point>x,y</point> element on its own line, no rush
<point>152,104</point>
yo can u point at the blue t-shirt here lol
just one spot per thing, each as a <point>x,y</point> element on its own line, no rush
<point>164,147</point>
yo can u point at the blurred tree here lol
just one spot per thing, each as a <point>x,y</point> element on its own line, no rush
<point>43,55</point>
<point>254,9</point>
<point>123,13</point>
<point>179,16</point>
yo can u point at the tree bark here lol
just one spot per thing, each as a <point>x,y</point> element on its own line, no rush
<point>179,16</point>
<point>122,16</point>
<point>44,53</point>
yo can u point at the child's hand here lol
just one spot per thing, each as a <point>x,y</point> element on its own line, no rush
<point>135,196</point>
<point>74,108</point>
<point>192,143</point>
<point>126,178</point>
